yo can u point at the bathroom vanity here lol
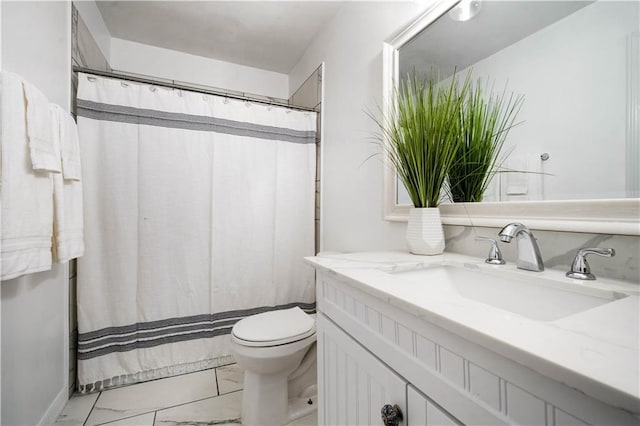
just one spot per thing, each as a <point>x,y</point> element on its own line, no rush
<point>449,340</point>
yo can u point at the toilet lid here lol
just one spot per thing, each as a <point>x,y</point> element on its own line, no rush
<point>274,327</point>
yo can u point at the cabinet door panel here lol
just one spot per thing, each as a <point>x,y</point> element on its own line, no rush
<point>421,411</point>
<point>358,384</point>
<point>416,408</point>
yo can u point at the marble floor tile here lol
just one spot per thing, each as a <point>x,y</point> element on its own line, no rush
<point>224,409</point>
<point>141,420</point>
<point>142,398</point>
<point>230,378</point>
<point>310,420</point>
<point>77,409</point>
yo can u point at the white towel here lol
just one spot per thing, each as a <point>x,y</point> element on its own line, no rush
<point>27,195</point>
<point>69,148</point>
<point>67,193</point>
<point>43,154</point>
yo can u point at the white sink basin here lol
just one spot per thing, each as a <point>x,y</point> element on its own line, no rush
<point>530,296</point>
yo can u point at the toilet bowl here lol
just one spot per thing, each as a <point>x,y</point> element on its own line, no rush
<point>277,352</point>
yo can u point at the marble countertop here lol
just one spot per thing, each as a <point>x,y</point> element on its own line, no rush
<point>595,351</point>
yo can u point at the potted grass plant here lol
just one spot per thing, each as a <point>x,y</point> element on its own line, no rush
<point>484,122</point>
<point>420,138</point>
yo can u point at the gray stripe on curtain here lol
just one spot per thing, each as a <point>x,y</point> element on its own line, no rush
<point>141,344</point>
<point>108,340</point>
<point>131,115</point>
<point>154,333</point>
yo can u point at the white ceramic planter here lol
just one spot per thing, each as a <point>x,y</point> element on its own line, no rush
<point>424,231</point>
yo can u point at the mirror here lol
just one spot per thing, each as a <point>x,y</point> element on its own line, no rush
<point>577,65</point>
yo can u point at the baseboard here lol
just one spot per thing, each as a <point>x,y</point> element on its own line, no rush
<point>51,415</point>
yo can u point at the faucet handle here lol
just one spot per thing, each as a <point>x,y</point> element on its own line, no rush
<point>580,267</point>
<point>495,255</point>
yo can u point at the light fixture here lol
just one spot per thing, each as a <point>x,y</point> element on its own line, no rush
<point>465,10</point>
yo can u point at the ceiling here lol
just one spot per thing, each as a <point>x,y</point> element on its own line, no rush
<point>447,45</point>
<point>270,35</point>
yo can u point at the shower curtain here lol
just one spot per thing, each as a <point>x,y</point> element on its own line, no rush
<point>198,212</point>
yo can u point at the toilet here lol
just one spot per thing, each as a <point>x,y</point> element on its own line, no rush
<point>277,351</point>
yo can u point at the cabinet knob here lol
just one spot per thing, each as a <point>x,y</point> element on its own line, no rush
<point>391,415</point>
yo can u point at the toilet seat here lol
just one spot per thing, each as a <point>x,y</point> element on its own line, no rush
<point>274,328</point>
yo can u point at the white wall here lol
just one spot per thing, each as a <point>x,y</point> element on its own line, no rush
<point>36,43</point>
<point>170,64</point>
<point>351,47</point>
<point>91,16</point>
<point>138,58</point>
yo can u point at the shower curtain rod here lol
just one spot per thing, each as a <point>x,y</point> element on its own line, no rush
<point>174,85</point>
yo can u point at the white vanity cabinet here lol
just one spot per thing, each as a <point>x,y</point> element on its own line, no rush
<point>372,353</point>
<point>422,411</point>
<point>356,383</point>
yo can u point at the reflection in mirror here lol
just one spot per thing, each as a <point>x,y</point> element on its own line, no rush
<point>576,63</point>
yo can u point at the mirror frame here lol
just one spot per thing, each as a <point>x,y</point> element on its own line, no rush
<point>606,216</point>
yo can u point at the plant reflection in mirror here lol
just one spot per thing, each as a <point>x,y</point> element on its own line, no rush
<point>484,123</point>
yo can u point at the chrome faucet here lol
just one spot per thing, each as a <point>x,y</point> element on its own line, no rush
<point>495,255</point>
<point>580,267</point>
<point>529,256</point>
